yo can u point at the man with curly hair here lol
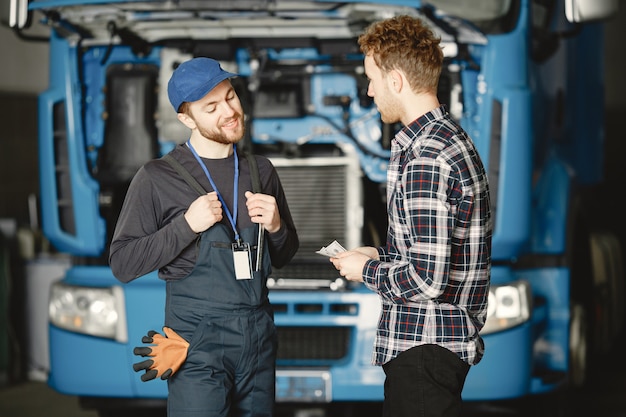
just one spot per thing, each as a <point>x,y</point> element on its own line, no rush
<point>433,274</point>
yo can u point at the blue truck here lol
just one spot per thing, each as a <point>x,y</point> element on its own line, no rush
<point>523,77</point>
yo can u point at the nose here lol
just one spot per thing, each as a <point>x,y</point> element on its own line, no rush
<point>228,109</point>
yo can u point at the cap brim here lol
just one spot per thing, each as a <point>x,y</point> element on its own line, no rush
<point>205,89</point>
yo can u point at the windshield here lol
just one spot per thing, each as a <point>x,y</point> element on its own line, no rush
<point>474,10</point>
<point>491,16</point>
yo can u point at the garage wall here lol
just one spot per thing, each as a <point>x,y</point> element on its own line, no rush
<point>18,154</point>
<point>23,75</point>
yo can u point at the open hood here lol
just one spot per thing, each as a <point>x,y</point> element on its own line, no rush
<point>152,22</point>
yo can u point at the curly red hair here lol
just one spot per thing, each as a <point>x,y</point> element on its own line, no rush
<point>407,44</point>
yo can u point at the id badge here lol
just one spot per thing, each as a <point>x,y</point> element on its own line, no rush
<point>242,258</point>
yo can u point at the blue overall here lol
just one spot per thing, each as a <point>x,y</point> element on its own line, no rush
<point>229,324</point>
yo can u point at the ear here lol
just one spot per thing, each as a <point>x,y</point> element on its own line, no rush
<point>186,120</point>
<point>396,81</point>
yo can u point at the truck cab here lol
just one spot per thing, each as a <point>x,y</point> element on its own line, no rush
<point>523,77</point>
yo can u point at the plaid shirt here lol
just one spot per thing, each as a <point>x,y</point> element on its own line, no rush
<point>433,275</point>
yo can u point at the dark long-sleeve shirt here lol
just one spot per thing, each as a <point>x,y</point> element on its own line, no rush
<point>152,234</point>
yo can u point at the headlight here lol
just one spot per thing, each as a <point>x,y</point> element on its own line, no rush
<point>508,306</point>
<point>89,310</point>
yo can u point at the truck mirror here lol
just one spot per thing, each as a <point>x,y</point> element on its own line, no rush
<point>578,11</point>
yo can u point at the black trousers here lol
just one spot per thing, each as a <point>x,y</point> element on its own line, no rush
<point>424,381</point>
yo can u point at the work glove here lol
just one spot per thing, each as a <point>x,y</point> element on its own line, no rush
<point>167,352</point>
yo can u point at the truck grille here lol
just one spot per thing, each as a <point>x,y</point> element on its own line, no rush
<point>308,344</point>
<point>320,192</point>
<point>316,197</point>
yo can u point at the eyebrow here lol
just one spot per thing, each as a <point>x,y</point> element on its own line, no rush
<point>230,90</point>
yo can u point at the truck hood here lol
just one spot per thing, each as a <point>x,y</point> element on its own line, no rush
<point>99,22</point>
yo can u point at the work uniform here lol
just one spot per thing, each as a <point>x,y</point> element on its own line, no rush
<point>228,322</point>
<point>230,328</point>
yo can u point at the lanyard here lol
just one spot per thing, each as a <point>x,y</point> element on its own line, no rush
<point>232,218</point>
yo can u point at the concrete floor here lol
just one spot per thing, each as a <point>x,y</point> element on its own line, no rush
<point>36,399</point>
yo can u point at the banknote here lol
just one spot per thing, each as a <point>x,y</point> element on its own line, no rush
<point>331,250</point>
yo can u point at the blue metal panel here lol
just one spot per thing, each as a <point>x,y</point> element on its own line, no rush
<point>551,342</point>
<point>505,371</point>
<point>89,235</point>
<point>504,78</point>
<point>551,211</point>
<point>510,361</point>
<point>513,208</point>
<point>84,365</point>
<point>515,360</point>
<point>366,384</point>
<point>585,89</point>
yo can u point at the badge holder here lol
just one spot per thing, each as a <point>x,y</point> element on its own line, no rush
<point>242,258</point>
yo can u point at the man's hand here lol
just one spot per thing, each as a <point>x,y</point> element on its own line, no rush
<point>167,352</point>
<point>262,209</point>
<point>204,212</point>
<point>350,264</point>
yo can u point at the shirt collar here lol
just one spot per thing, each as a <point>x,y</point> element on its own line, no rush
<point>405,136</point>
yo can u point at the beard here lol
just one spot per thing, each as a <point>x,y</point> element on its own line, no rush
<point>219,136</point>
<point>390,111</point>
<point>388,106</point>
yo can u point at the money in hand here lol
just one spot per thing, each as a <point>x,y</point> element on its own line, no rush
<point>331,250</point>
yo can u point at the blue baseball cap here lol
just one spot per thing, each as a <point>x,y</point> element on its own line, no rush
<point>194,79</point>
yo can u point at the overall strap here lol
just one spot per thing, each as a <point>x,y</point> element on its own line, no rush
<point>184,173</point>
<point>254,173</point>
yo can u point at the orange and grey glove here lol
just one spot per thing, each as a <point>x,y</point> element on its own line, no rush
<point>167,352</point>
